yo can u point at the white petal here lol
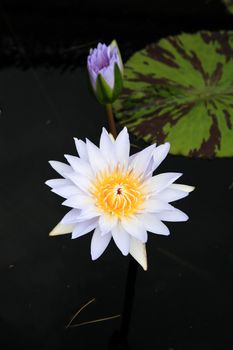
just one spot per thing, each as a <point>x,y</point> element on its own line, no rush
<point>154,225</point>
<point>156,205</point>
<point>169,195</point>
<point>142,160</point>
<point>181,187</point>
<point>61,229</point>
<point>89,213</point>
<point>131,158</point>
<point>122,146</point>
<point>107,148</point>
<point>159,182</point>
<point>96,159</point>
<point>175,215</point>
<point>138,251</point>
<point>149,169</point>
<point>79,165</point>
<point>61,168</point>
<point>121,238</point>
<point>58,182</point>
<point>81,181</point>
<point>79,201</point>
<point>84,227</point>
<point>71,217</point>
<point>81,148</point>
<point>99,243</point>
<point>160,154</point>
<point>107,223</point>
<point>135,228</point>
<point>66,191</point>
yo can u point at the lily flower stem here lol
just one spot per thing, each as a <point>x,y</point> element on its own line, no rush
<point>133,265</point>
<point>111,121</point>
<point>129,298</point>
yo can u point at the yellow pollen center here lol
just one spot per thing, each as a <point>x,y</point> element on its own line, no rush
<point>118,192</point>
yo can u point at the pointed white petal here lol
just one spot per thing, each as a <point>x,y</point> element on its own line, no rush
<point>58,182</point>
<point>71,217</point>
<point>79,165</point>
<point>156,205</point>
<point>175,215</point>
<point>121,238</point>
<point>141,161</point>
<point>81,181</point>
<point>84,227</point>
<point>153,224</point>
<point>79,201</point>
<point>107,148</point>
<point>159,182</point>
<point>88,213</point>
<point>61,168</point>
<point>107,223</point>
<point>122,146</point>
<point>66,191</point>
<point>169,194</point>
<point>138,251</point>
<point>61,229</point>
<point>131,158</point>
<point>96,159</point>
<point>99,243</point>
<point>160,154</point>
<point>149,169</point>
<point>181,187</point>
<point>135,228</point>
<point>81,148</point>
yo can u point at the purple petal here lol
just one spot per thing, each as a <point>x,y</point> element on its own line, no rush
<point>101,60</point>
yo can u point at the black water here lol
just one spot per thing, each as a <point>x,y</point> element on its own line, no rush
<point>184,301</point>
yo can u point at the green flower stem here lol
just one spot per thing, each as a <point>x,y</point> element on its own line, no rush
<point>111,121</point>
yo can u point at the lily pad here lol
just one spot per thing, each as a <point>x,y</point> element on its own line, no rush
<point>229,5</point>
<point>181,90</point>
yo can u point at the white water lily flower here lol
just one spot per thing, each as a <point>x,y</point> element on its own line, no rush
<point>116,195</point>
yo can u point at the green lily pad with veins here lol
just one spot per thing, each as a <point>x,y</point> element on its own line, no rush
<point>181,90</point>
<point>229,5</point>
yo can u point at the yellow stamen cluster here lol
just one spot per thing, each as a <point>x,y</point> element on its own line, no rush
<point>118,192</point>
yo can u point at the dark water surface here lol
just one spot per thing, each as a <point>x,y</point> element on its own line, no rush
<point>183,301</point>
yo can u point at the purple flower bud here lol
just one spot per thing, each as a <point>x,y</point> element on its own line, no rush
<point>102,60</point>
